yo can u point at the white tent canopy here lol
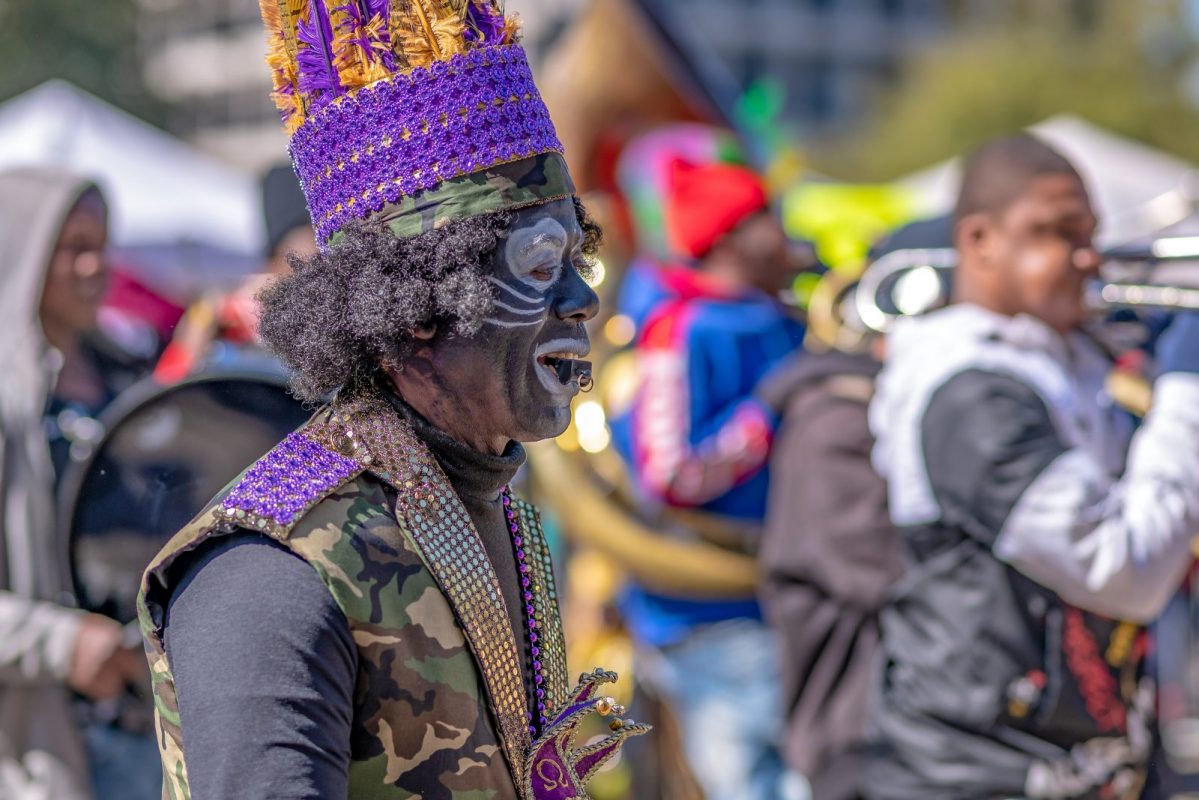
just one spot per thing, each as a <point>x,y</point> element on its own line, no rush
<point>1137,189</point>
<point>181,217</point>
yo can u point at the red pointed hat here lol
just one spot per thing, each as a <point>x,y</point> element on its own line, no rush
<point>707,201</point>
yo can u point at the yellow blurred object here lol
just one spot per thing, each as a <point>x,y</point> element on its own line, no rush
<point>592,427</point>
<point>1130,391</point>
<point>826,318</point>
<point>597,574</point>
<point>592,580</point>
<point>844,219</point>
<point>620,330</point>
<point>593,518</point>
<point>620,379</point>
<point>785,170</point>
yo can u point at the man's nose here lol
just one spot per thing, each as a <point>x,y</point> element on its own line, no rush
<point>90,264</point>
<point>574,300</point>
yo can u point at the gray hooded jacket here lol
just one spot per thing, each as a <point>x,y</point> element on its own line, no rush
<point>41,753</point>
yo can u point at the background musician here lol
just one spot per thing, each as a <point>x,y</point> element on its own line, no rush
<point>1030,529</point>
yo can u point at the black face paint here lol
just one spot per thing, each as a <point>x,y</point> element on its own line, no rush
<point>518,374</point>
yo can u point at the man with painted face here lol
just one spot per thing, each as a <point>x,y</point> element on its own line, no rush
<point>369,611</point>
<point>1032,523</point>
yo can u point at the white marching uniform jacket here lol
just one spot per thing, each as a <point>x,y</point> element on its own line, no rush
<point>1034,521</point>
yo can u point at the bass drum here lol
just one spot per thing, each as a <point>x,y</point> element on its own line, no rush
<point>166,452</point>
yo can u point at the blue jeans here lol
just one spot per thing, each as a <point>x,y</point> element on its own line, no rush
<point>722,685</point>
<point>124,766</point>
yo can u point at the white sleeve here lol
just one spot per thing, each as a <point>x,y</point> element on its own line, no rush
<point>37,640</point>
<point>1116,547</point>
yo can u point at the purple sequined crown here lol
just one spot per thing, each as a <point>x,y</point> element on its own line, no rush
<point>420,112</point>
<point>409,133</point>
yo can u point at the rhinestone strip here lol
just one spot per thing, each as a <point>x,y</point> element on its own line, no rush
<point>434,518</point>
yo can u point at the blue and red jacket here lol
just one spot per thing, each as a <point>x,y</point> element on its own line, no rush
<point>696,437</point>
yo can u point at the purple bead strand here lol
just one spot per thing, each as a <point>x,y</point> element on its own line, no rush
<point>531,624</point>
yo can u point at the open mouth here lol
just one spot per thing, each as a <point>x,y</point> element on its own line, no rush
<point>566,369</point>
<point>560,368</point>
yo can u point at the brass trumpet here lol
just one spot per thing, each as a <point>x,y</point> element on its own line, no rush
<point>1163,274</point>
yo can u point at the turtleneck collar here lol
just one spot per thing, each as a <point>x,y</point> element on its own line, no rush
<point>471,473</point>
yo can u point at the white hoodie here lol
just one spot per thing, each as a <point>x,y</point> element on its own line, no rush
<point>1107,533</point>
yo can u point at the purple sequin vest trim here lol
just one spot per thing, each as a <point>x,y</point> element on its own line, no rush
<point>409,133</point>
<point>286,482</point>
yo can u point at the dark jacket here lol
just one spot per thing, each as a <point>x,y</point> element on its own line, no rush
<point>829,555</point>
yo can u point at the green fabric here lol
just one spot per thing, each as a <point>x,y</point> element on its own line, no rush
<point>519,184</point>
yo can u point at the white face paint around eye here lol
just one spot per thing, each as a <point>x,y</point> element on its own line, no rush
<point>537,249</point>
<point>528,252</point>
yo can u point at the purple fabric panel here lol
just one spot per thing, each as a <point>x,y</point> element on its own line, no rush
<point>286,480</point>
<point>587,763</point>
<point>353,158</point>
<point>551,775</point>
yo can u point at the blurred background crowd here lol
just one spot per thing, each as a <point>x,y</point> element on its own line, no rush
<point>776,180</point>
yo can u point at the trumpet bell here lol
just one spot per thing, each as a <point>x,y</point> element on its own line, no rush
<point>904,283</point>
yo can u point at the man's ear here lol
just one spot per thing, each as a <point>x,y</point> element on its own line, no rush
<point>973,236</point>
<point>425,332</point>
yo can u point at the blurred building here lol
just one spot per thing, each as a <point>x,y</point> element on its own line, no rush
<point>204,58</point>
<point>832,57</point>
<point>828,57</point>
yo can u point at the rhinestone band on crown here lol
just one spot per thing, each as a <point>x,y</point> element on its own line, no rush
<point>411,132</point>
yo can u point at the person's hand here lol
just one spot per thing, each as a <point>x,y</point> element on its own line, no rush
<point>1178,348</point>
<point>131,662</point>
<point>99,665</point>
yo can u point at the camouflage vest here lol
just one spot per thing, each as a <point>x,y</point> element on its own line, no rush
<point>440,697</point>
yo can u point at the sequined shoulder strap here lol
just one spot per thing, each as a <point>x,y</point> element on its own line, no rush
<point>271,497</point>
<point>286,483</point>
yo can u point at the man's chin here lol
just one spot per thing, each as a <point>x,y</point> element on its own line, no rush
<point>551,423</point>
<point>1061,317</point>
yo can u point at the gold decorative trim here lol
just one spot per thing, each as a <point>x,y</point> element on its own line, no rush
<point>434,519</point>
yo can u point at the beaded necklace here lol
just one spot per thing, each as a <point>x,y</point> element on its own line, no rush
<point>529,590</point>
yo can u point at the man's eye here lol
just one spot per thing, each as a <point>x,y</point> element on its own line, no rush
<point>542,274</point>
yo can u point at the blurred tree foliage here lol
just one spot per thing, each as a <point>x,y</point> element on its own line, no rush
<point>91,43</point>
<point>1118,63</point>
